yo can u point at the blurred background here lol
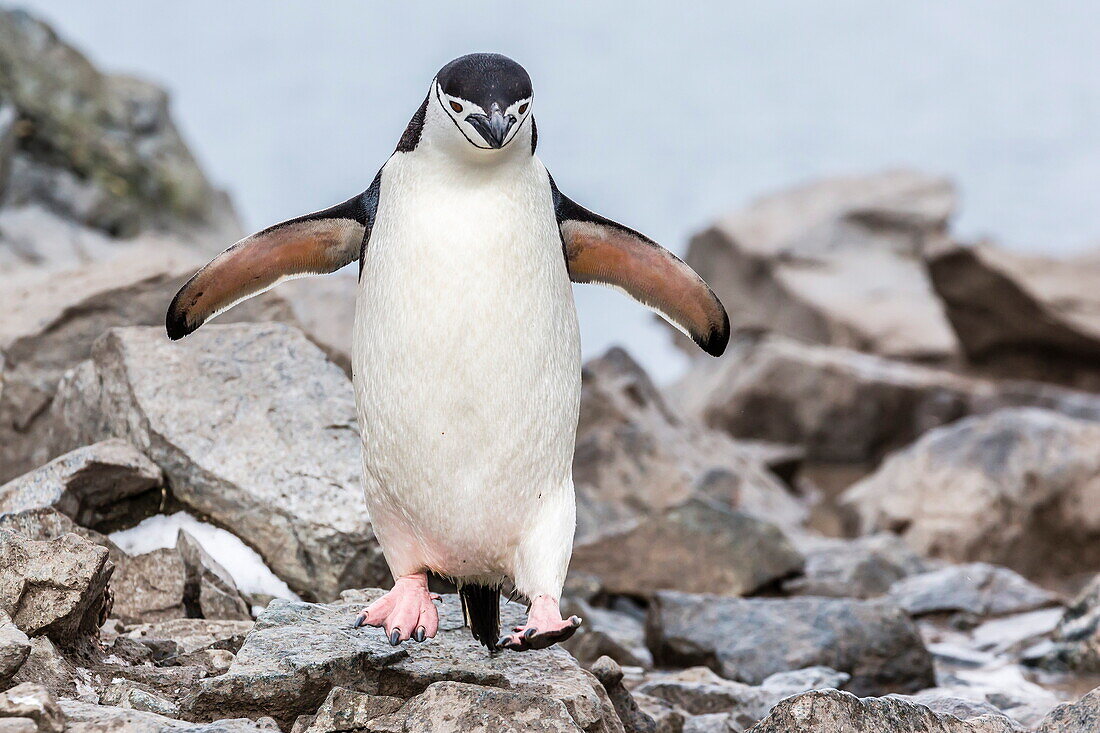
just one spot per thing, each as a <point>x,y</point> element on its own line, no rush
<point>663,117</point>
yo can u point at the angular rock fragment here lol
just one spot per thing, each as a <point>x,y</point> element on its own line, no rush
<point>92,485</point>
<point>606,632</point>
<point>35,703</point>
<point>345,710</point>
<point>976,588</point>
<point>57,588</point>
<point>194,634</point>
<point>48,667</point>
<point>210,591</point>
<point>864,567</point>
<point>1076,639</point>
<point>1077,717</point>
<point>749,639</point>
<point>1005,488</point>
<point>84,717</point>
<point>610,675</point>
<point>14,648</point>
<point>150,587</point>
<point>253,427</point>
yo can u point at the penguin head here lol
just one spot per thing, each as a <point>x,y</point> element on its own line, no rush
<point>485,100</point>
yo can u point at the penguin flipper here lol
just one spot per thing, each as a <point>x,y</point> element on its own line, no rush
<point>313,244</point>
<point>598,250</point>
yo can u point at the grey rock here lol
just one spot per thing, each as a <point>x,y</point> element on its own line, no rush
<point>610,675</point>
<point>17,725</point>
<point>210,592</point>
<point>324,307</point>
<point>833,711</point>
<point>193,634</point>
<point>33,702</point>
<point>667,717</point>
<point>92,485</point>
<point>84,717</point>
<point>254,428</point>
<point>864,567</point>
<point>606,632</point>
<point>750,639</point>
<point>299,651</point>
<point>1082,716</point>
<point>1076,639</point>
<point>48,667</point>
<point>345,710</point>
<point>14,648</point>
<point>785,684</point>
<point>1005,488</point>
<point>57,588</point>
<point>150,587</point>
<point>7,142</point>
<point>52,318</point>
<point>664,551</point>
<point>698,691</point>
<point>958,707</point>
<point>46,523</point>
<point>837,261</point>
<point>976,588</point>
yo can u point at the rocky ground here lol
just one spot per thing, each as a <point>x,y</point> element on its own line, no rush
<point>878,512</point>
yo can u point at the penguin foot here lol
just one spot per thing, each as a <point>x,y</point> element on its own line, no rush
<point>545,627</point>
<point>406,612</point>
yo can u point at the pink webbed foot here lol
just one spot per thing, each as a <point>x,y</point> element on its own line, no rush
<point>406,612</point>
<point>544,627</point>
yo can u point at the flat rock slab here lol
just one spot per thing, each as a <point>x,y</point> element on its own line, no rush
<point>85,717</point>
<point>299,651</point>
<point>253,427</point>
<point>749,639</point>
<point>864,567</point>
<point>977,588</point>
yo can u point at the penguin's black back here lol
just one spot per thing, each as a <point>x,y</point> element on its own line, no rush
<point>481,609</point>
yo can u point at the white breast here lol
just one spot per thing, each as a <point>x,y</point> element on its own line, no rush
<point>466,364</point>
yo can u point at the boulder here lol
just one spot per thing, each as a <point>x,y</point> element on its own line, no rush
<point>100,149</point>
<point>46,665</point>
<point>14,648</point>
<point>210,592</point>
<point>700,546</point>
<point>35,703</point>
<point>253,427</point>
<point>837,261</point>
<point>189,635</point>
<point>1018,487</point>
<point>324,307</point>
<point>299,651</point>
<point>85,717</point>
<point>610,675</point>
<point>833,711</point>
<point>52,318</point>
<point>864,567</point>
<point>1076,638</point>
<point>749,639</point>
<point>607,633</point>
<point>345,710</point>
<point>1019,315</point>
<point>150,587</point>
<point>93,485</point>
<point>977,588</point>
<point>57,588</point>
<point>1078,717</point>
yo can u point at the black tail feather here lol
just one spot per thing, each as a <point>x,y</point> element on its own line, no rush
<point>481,609</point>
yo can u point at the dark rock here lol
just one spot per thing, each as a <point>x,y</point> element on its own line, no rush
<point>1082,716</point>
<point>977,588</point>
<point>92,485</point>
<point>299,651</point>
<point>606,632</point>
<point>837,261</point>
<point>57,588</point>
<point>1076,639</point>
<point>1005,488</point>
<point>254,428</point>
<point>33,702</point>
<point>610,675</point>
<point>864,567</point>
<point>830,711</point>
<point>346,710</point>
<point>47,666</point>
<point>150,587</point>
<point>210,592</point>
<point>749,639</point>
<point>14,648</point>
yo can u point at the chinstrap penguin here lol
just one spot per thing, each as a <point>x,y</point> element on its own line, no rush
<point>466,351</point>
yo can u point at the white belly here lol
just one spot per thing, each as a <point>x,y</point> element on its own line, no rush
<point>466,368</point>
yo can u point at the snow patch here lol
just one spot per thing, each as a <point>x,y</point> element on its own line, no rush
<point>248,569</point>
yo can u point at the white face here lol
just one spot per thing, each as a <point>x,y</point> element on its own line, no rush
<point>487,129</point>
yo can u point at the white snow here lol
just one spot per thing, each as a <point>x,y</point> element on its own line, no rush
<point>248,569</point>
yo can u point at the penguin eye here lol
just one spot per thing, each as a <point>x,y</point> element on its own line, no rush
<point>523,107</point>
<point>456,106</point>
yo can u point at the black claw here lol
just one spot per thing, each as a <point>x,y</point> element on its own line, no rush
<point>360,621</point>
<point>395,637</point>
<point>530,632</point>
<point>420,634</point>
<point>502,642</point>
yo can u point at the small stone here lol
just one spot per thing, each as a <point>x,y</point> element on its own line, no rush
<point>33,702</point>
<point>210,592</point>
<point>14,648</point>
<point>151,587</point>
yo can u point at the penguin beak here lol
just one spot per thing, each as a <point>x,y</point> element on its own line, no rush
<point>494,127</point>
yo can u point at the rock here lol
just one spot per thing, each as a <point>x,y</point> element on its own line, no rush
<point>210,592</point>
<point>33,702</point>
<point>749,639</point>
<point>151,587</point>
<point>253,427</point>
<point>607,633</point>
<point>864,567</point>
<point>610,675</point>
<point>46,523</point>
<point>52,318</point>
<point>14,648</point>
<point>785,684</point>
<point>84,717</point>
<point>832,711</point>
<point>1015,488</point>
<point>1019,315</point>
<point>645,555</point>
<point>193,635</point>
<point>346,709</point>
<point>48,667</point>
<point>57,588</point>
<point>93,485</point>
<point>957,707</point>
<point>324,307</point>
<point>299,651</point>
<point>101,149</point>
<point>636,457</point>
<point>976,588</point>
<point>1077,635</point>
<point>1079,717</point>
<point>7,142</point>
<point>837,261</point>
